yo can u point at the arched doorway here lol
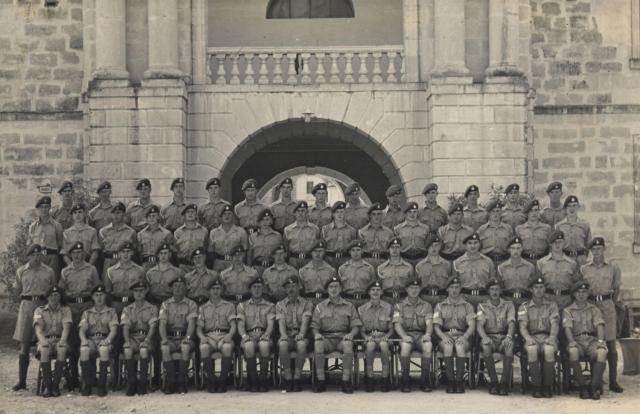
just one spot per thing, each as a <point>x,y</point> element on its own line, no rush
<point>319,142</point>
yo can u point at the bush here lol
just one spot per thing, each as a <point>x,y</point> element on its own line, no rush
<point>496,192</point>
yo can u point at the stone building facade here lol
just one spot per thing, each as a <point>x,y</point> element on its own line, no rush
<point>406,92</point>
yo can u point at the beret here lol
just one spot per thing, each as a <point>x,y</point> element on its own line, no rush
<point>512,187</point>
<point>375,207</point>
<point>77,207</point>
<point>250,183</point>
<point>143,182</point>
<point>213,181</point>
<point>140,284</point>
<point>152,209</point>
<point>179,279</point>
<point>127,245</point>
<point>286,181</point>
<point>373,284</point>
<point>119,206</point>
<point>214,283</point>
<point>299,205</point>
<point>76,247</point>
<point>570,199</point>
<point>319,186</point>
<point>596,241</point>
<point>65,185</point>
<point>556,185</point>
<point>226,208</point>
<point>410,206</point>
<point>430,187</point>
<point>493,204</point>
<point>163,246</point>
<point>279,247</point>
<point>393,190</point>
<point>355,243</point>
<point>43,201</point>
<point>34,249</point>
<point>56,289</point>
<point>292,280</point>
<point>320,244</point>
<point>471,188</point>
<point>515,240</point>
<point>191,206</point>
<point>264,214</point>
<point>256,281</point>
<point>395,241</point>
<point>434,239</point>
<point>455,207</point>
<point>531,204</point>
<point>332,280</point>
<point>493,282</point>
<point>338,205</point>
<point>237,249</point>
<point>470,237</point>
<point>414,282</point>
<point>197,252</point>
<point>538,281</point>
<point>105,185</point>
<point>556,235</point>
<point>352,189</point>
<point>175,181</point>
<point>453,280</point>
<point>580,284</point>
<point>99,289</point>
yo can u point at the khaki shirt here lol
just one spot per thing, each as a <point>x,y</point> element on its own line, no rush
<point>320,216</point>
<point>223,241</point>
<point>452,238</point>
<point>136,215</point>
<point>335,318</point>
<point>236,282</point>
<point>434,272</point>
<point>375,238</point>
<point>475,218</point>
<point>34,281</point>
<point>198,282</point>
<point>413,316</point>
<point>513,216</point>
<point>293,312</point>
<point>150,240</point>
<point>119,278</point>
<point>338,238</point>
<point>139,318</point>
<point>209,213</point>
<point>300,237</point>
<point>263,244</point>
<point>178,314</point>
<point>190,238</point>
<point>78,281</point>
<point>98,322</point>
<point>111,238</point>
<point>516,277</point>
<point>603,279</point>
<point>314,278</point>
<point>256,313</point>
<point>496,318</point>
<point>581,320</point>
<point>159,278</point>
<point>283,214</point>
<point>80,233</point>
<point>356,276</point>
<point>434,217</point>
<point>553,216</point>
<point>538,318</point>
<point>62,215</point>
<point>376,317</point>
<point>534,237</point>
<point>217,315</point>
<point>412,235</point>
<point>47,234</point>
<point>248,213</point>
<point>52,321</point>
<point>172,215</point>
<point>395,276</point>
<point>558,274</point>
<point>494,239</point>
<point>474,272</point>
<point>392,217</point>
<point>450,314</point>
<point>274,277</point>
<point>576,235</point>
<point>356,216</point>
<point>100,216</point>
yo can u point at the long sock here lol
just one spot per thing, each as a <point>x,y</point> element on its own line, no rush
<point>507,368</point>
<point>286,365</point>
<point>534,370</point>
<point>596,374</point>
<point>491,368</point>
<point>577,372</point>
<point>46,376</point>
<point>460,368</point>
<point>347,362</point>
<point>548,372</point>
<point>299,363</point>
<point>405,364</point>
<point>448,366</point>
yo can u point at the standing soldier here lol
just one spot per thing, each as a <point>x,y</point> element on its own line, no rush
<point>255,325</point>
<point>534,233</point>
<point>151,238</point>
<point>432,214</point>
<point>516,274</point>
<point>293,315</point>
<point>555,213</point>
<point>605,280</point>
<point>395,273</point>
<point>34,280</point>
<point>577,232</point>
<point>320,213</point>
<point>356,275</point>
<point>474,215</point>
<point>83,233</point>
<point>495,235</point>
<point>62,214</point>
<point>413,235</point>
<point>559,271</point>
<point>113,235</point>
<point>137,210</point>
<point>376,236</point>
<point>315,274</point>
<point>237,277</point>
<point>199,279</point>
<point>190,236</point>
<point>377,328</point>
<point>512,213</point>
<point>338,234</point>
<point>453,233</point>
<point>263,242</point>
<point>52,324</point>
<point>283,210</point>
<point>393,215</point>
<point>209,213</point>
<point>225,238</point>
<point>276,275</point>
<point>161,274</point>
<point>474,270</point>
<point>434,273</point>
<point>355,212</point>
<point>121,276</point>
<point>171,214</point>
<point>47,233</point>
<point>300,236</point>
<point>248,209</point>
<point>100,215</point>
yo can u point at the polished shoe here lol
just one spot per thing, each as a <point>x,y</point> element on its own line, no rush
<point>584,393</point>
<point>503,389</point>
<point>546,392</point>
<point>459,387</point>
<point>384,385</point>
<point>368,384</point>
<point>615,387</point>
<point>451,389</point>
<point>537,392</point>
<point>595,393</point>
<point>493,388</point>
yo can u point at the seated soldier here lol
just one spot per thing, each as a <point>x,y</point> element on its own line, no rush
<point>98,328</point>
<point>293,314</point>
<point>139,322</point>
<point>52,323</point>
<point>216,328</point>
<point>255,326</point>
<point>496,320</point>
<point>377,328</point>
<point>584,326</point>
<point>539,325</point>
<point>454,323</point>
<point>335,323</point>
<point>412,320</point>
<point>177,318</point>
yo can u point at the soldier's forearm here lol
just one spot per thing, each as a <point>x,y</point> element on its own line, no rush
<point>512,329</point>
<point>112,334</point>
<point>94,257</point>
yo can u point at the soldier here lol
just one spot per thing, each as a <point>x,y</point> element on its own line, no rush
<point>199,279</point>
<point>377,328</point>
<point>283,210</point>
<point>555,213</point>
<point>190,236</point>
<point>152,237</point>
<point>34,280</point>
<point>434,272</point>
<point>534,233</point>
<point>52,324</point>
<point>393,215</point>
<point>495,235</point>
<point>395,273</point>
<point>97,329</point>
<point>216,329</point>
<point>139,323</point>
<point>559,271</point>
<point>474,215</point>
<point>263,242</point>
<point>315,274</point>
<point>237,277</point>
<point>376,236</point>
<point>355,212</point>
<point>121,276</point>
<point>171,213</point>
<point>248,209</point>
<point>432,214</point>
<point>453,233</point>
<point>161,274</point>
<point>276,275</point>
<point>584,327</point>
<point>209,213</point>
<point>516,274</point>
<point>100,215</point>
<point>512,213</point>
<point>539,321</point>
<point>293,315</point>
<point>47,233</point>
<point>62,214</point>
<point>137,210</point>
<point>83,233</point>
<point>356,275</point>
<point>255,325</point>
<point>413,235</point>
<point>577,232</point>
<point>454,323</point>
<point>605,281</point>
<point>335,323</point>
<point>112,236</point>
<point>225,238</point>
<point>496,327</point>
<point>320,213</point>
<point>474,271</point>
<point>338,234</point>
<point>177,317</point>
<point>300,236</point>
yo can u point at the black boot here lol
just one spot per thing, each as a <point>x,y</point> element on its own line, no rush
<point>548,373</point>
<point>536,379</point>
<point>493,376</point>
<point>170,377</point>
<point>23,367</point>
<point>57,374</point>
<point>297,386</point>
<point>505,380</point>
<point>264,374</point>
<point>102,382</point>
<point>182,376</point>
<point>425,382</point>
<point>577,375</point>
<point>368,383</point>
<point>252,375</point>
<point>73,377</point>
<point>405,364</point>
<point>597,370</point>
<point>385,384</point>
<point>612,359</point>
<point>144,376</point>
<point>87,381</point>
<point>47,382</point>
<point>225,368</point>
<point>451,379</point>
<point>207,374</point>
<point>130,367</point>
<point>346,387</point>
<point>320,386</point>
<point>460,375</point>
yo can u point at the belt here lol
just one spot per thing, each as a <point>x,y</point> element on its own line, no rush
<point>575,253</point>
<point>263,263</point>
<point>176,334</point>
<point>540,332</point>
<point>256,330</point>
<point>238,298</point>
<point>454,330</point>
<point>99,335</point>
<point>413,256</point>
<point>601,298</point>
<point>376,255</point>
<point>375,332</point>
<point>586,334</point>
<point>33,298</point>
<point>315,295</point>
<point>433,292</point>
<point>123,299</point>
<point>450,256</point>
<point>110,255</point>
<point>138,332</point>
<point>200,299</point>
<point>225,257</point>
<point>251,229</point>
<point>150,259</point>
<point>558,292</point>
<point>218,331</point>
<point>337,255</point>
<point>517,294</point>
<point>474,292</point>
<point>355,296</point>
<point>497,257</point>
<point>395,294</point>
<point>49,252</point>
<point>300,255</point>
<point>80,299</point>
<point>53,336</point>
<point>533,256</point>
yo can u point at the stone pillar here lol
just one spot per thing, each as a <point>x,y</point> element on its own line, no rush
<point>503,38</point>
<point>111,44</point>
<point>199,41</point>
<point>410,25</point>
<point>163,40</point>
<point>449,24</point>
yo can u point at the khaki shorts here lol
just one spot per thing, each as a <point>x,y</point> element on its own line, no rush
<point>53,346</point>
<point>496,343</point>
<point>216,339</point>
<point>540,342</point>
<point>254,336</point>
<point>174,344</point>
<point>587,346</point>
<point>333,344</point>
<point>94,345</point>
<point>135,341</point>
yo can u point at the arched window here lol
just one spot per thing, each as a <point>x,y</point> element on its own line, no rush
<point>309,9</point>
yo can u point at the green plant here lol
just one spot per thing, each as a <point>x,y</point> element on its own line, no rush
<point>496,192</point>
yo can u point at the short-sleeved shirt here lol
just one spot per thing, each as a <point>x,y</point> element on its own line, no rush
<point>434,272</point>
<point>376,316</point>
<point>159,277</point>
<point>558,273</point>
<point>190,238</point>
<point>223,241</point>
<point>256,313</point>
<point>576,235</point>
<point>51,320</point>
<point>209,213</point>
<point>603,278</point>
<point>236,282</point>
<point>178,314</point>
<point>150,240</point>
<point>198,282</point>
<point>338,238</point>
<point>263,243</point>
<point>320,216</point>
<point>538,318</point>
<point>413,315</point>
<point>274,277</point>
<point>293,312</point>
<point>452,238</point>
<point>283,214</point>
<point>335,318</point>
<point>582,319</point>
<point>79,281</point>
<point>434,217</point>
<point>313,277</point>
<point>495,239</point>
<point>80,233</point>
<point>36,281</point>
<point>516,277</point>
<point>46,233</point>
<point>474,271</point>
<point>356,216</point>
<point>513,216</point>
<point>172,215</point>
<point>412,235</point>
<point>99,321</point>
<point>356,276</point>
<point>248,213</point>
<point>139,318</point>
<point>111,238</point>
<point>375,239</point>
<point>395,276</point>
<point>553,216</point>
<point>136,215</point>
<point>119,278</point>
<point>496,317</point>
<point>301,237</point>
<point>100,215</point>
<point>62,215</point>
<point>217,315</point>
<point>453,314</point>
<point>475,218</point>
<point>392,217</point>
<point>534,237</point>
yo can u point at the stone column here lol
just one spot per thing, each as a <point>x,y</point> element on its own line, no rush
<point>503,38</point>
<point>449,27</point>
<point>410,24</point>
<point>199,41</point>
<point>111,44</point>
<point>163,40</point>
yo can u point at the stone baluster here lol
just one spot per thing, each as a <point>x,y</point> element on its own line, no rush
<point>362,68</point>
<point>249,79</point>
<point>306,70</point>
<point>235,71</point>
<point>220,72</point>
<point>321,73</point>
<point>264,70</point>
<point>348,68</point>
<point>277,68</point>
<point>377,71</point>
<point>334,71</point>
<point>292,76</point>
